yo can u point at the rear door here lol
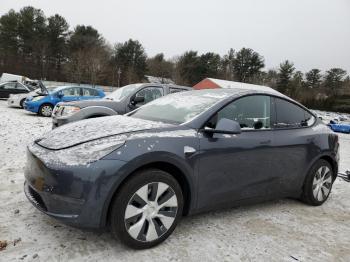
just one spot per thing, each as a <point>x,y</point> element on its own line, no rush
<point>293,144</point>
<point>89,93</point>
<point>237,167</point>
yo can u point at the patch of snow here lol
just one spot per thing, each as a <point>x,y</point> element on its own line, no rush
<point>89,129</point>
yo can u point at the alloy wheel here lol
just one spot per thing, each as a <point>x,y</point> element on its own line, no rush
<point>46,110</point>
<point>151,211</point>
<point>322,183</point>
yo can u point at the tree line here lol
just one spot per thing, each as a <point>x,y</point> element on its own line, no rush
<point>41,47</point>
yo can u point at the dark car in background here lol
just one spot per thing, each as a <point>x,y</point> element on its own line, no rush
<point>14,87</point>
<point>121,101</point>
<point>178,155</point>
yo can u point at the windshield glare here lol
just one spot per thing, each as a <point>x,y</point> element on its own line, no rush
<point>122,92</point>
<point>177,108</point>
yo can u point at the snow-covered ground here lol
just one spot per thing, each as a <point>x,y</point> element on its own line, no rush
<point>281,230</point>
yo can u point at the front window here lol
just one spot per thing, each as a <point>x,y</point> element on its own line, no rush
<point>20,87</point>
<point>73,91</point>
<point>149,94</point>
<point>177,108</point>
<point>122,92</point>
<point>251,112</point>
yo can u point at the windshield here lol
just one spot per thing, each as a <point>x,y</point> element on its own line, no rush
<point>177,108</point>
<point>122,92</point>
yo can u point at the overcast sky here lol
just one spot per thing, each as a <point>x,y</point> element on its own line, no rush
<point>311,33</point>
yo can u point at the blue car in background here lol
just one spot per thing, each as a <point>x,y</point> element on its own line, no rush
<point>340,127</point>
<point>44,103</point>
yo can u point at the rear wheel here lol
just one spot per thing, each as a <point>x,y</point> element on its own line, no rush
<point>147,209</point>
<point>46,110</point>
<point>318,183</point>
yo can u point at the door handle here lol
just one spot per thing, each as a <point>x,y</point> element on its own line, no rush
<point>265,142</point>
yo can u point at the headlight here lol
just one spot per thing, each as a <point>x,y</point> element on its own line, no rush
<point>69,110</point>
<point>37,98</point>
<point>82,154</point>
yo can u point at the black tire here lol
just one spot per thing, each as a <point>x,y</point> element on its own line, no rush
<point>308,195</point>
<point>42,111</point>
<point>21,103</point>
<point>127,192</point>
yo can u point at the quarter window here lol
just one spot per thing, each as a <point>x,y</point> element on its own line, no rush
<point>289,115</point>
<point>251,112</point>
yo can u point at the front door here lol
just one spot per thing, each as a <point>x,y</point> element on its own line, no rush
<point>148,94</point>
<point>237,167</point>
<point>71,94</point>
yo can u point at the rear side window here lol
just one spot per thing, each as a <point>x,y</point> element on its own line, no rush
<point>9,86</point>
<point>289,115</point>
<point>176,90</point>
<point>90,92</point>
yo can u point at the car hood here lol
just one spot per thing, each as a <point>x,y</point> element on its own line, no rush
<point>92,102</point>
<point>91,129</point>
<point>43,88</point>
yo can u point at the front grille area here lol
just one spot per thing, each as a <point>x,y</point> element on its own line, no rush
<point>35,198</point>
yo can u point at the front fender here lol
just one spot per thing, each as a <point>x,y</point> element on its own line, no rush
<point>150,159</point>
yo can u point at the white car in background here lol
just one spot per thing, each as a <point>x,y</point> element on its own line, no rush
<point>17,100</point>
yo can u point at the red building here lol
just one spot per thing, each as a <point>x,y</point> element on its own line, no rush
<point>210,83</point>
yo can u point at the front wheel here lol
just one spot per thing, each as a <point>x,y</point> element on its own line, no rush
<point>21,104</point>
<point>318,183</point>
<point>46,110</point>
<point>147,209</point>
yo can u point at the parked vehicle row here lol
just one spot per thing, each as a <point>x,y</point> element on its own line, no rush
<point>138,174</point>
<point>121,101</point>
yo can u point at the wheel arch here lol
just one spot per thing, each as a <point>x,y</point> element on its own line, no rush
<point>44,104</point>
<point>97,111</point>
<point>333,163</point>
<point>165,166</point>
<point>327,157</point>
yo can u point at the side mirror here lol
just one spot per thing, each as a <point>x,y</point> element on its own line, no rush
<point>60,95</point>
<point>225,126</point>
<point>137,99</point>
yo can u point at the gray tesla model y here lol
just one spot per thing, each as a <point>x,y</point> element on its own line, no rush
<point>137,175</point>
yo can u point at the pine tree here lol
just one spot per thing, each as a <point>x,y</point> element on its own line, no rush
<point>247,64</point>
<point>313,78</point>
<point>286,70</point>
